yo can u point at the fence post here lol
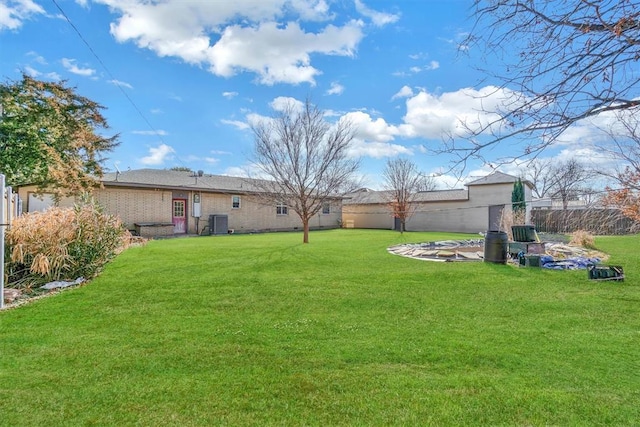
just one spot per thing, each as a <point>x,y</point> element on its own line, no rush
<point>10,206</point>
<point>3,206</point>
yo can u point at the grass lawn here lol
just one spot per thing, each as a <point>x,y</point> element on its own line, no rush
<point>263,330</point>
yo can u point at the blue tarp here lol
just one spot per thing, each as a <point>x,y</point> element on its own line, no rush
<point>547,261</point>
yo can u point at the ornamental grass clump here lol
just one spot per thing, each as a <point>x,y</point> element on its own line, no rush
<point>582,238</point>
<point>62,244</point>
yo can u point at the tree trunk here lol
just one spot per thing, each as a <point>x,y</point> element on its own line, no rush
<point>305,226</point>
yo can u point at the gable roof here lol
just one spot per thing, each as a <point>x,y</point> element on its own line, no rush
<point>497,177</point>
<point>379,197</point>
<point>177,180</point>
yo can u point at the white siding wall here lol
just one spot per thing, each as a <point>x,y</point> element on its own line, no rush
<point>368,216</point>
<point>449,216</point>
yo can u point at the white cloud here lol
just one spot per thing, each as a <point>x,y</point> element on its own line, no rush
<point>331,113</point>
<point>371,130</point>
<point>229,95</point>
<point>455,113</point>
<point>404,92</point>
<point>157,155</point>
<point>335,89</point>
<point>433,65</point>
<point>236,123</point>
<point>240,36</point>
<point>422,149</point>
<point>150,132</point>
<point>282,103</point>
<point>279,54</point>
<point>14,12</point>
<point>246,171</point>
<point>121,84</point>
<point>373,138</point>
<point>32,72</point>
<point>314,10</point>
<point>70,65</point>
<point>377,150</point>
<point>38,59</point>
<point>446,182</point>
<point>53,76</point>
<point>379,19</point>
<point>238,171</point>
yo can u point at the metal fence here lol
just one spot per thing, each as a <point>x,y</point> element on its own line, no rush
<point>595,221</point>
<point>10,207</point>
<point>4,209</point>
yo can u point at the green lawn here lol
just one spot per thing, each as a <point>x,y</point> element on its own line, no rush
<point>263,330</point>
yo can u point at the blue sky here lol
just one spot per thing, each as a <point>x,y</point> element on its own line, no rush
<point>182,80</point>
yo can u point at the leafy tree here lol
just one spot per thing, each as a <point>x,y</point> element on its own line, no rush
<point>561,60</point>
<point>50,136</point>
<point>403,181</point>
<point>518,202</point>
<point>305,159</point>
<point>627,198</point>
<point>624,146</point>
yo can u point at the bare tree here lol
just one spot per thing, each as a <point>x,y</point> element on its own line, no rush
<point>403,181</point>
<point>563,61</point>
<point>305,158</point>
<point>567,180</point>
<point>622,145</point>
<point>539,173</point>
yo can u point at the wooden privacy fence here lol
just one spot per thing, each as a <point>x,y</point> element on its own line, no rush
<point>595,221</point>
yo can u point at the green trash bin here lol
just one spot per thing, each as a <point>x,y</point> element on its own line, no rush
<point>524,233</point>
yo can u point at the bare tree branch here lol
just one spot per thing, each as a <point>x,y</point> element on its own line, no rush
<point>305,159</point>
<point>403,181</point>
<point>567,180</point>
<point>564,61</point>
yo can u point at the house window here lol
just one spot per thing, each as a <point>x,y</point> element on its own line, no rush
<point>40,203</point>
<point>235,202</point>
<point>179,208</point>
<point>282,209</point>
<point>326,208</point>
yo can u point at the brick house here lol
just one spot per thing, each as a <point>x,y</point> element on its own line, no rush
<point>155,202</point>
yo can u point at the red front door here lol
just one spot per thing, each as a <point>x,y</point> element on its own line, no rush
<point>179,216</point>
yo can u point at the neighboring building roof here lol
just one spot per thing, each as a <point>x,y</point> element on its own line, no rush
<point>170,179</point>
<point>367,197</point>
<point>497,178</point>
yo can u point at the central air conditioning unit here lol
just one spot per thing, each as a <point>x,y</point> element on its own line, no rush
<point>218,224</point>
